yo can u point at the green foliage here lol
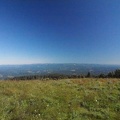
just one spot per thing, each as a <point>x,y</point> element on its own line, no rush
<point>117,73</point>
<point>68,99</point>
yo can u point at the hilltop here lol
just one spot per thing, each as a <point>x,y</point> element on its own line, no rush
<point>68,99</point>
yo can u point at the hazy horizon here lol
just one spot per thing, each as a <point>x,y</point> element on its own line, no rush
<point>65,31</point>
<point>58,63</point>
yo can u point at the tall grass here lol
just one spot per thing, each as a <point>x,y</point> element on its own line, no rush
<point>75,99</point>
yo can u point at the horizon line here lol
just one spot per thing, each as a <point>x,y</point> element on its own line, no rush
<point>61,63</point>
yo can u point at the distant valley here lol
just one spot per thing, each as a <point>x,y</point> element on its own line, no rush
<point>10,71</point>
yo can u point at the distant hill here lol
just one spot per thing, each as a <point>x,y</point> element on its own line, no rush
<point>9,71</point>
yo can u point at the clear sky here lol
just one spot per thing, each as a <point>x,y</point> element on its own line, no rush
<point>59,31</point>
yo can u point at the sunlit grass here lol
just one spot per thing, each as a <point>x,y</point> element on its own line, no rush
<point>75,99</point>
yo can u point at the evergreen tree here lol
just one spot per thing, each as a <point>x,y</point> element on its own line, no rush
<point>88,75</point>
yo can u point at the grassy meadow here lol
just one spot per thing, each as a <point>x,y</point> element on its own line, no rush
<point>74,99</point>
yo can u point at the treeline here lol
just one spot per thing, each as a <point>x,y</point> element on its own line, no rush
<point>115,74</point>
<point>47,77</point>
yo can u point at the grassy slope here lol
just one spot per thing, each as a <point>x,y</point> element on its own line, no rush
<point>78,99</point>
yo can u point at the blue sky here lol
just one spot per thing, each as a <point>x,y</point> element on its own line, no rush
<point>59,31</point>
